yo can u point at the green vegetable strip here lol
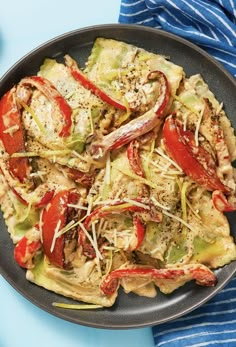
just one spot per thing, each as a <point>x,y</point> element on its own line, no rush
<point>75,306</point>
<point>35,118</point>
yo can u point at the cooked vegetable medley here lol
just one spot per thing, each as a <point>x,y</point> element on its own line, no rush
<point>116,174</point>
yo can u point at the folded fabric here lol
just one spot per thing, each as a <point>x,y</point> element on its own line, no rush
<point>209,24</point>
<point>212,26</point>
<point>213,324</point>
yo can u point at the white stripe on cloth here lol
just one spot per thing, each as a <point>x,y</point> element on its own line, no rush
<point>221,342</point>
<point>192,336</point>
<point>136,13</point>
<point>220,50</point>
<point>147,21</point>
<point>131,4</point>
<point>196,316</point>
<point>225,62</point>
<point>233,7</point>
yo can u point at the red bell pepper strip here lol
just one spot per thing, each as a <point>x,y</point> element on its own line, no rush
<point>19,197</point>
<point>86,83</point>
<point>62,108</point>
<point>27,193</point>
<point>39,203</point>
<point>221,203</point>
<point>134,158</point>
<point>83,178</point>
<point>139,230</point>
<point>25,250</point>
<point>45,199</point>
<point>14,142</point>
<point>55,214</point>
<point>138,126</point>
<point>194,160</point>
<point>200,273</point>
<point>10,118</point>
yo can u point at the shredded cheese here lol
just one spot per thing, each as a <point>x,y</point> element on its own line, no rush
<point>158,166</point>
<point>90,205</point>
<point>158,204</point>
<point>41,225</point>
<point>137,203</point>
<point>107,178</point>
<point>183,200</point>
<point>105,225</point>
<point>109,260</point>
<point>110,248</point>
<point>178,219</point>
<point>55,236</point>
<point>163,169</point>
<point>91,122</point>
<point>118,193</point>
<point>219,109</point>
<point>39,174</point>
<point>70,225</point>
<point>198,127</point>
<point>106,202</point>
<point>100,226</point>
<point>100,152</point>
<point>98,254</point>
<point>66,228</point>
<point>168,176</point>
<point>79,207</point>
<point>186,115</point>
<point>90,239</point>
<point>159,151</point>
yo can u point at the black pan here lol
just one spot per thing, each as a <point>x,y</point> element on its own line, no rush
<point>129,311</point>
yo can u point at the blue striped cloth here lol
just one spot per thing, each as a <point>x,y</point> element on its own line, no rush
<point>211,24</point>
<point>213,324</point>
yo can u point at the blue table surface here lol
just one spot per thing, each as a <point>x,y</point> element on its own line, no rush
<point>24,25</point>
